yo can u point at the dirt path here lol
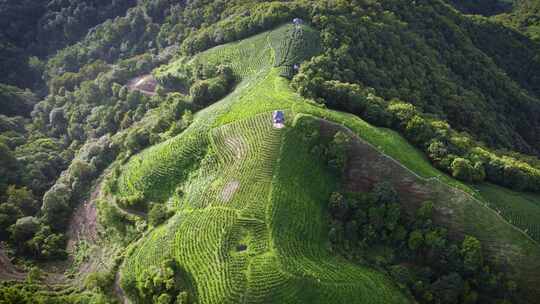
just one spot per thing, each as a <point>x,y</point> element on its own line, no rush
<point>83,225</point>
<point>8,271</point>
<point>120,295</point>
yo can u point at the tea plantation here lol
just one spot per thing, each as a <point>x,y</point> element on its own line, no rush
<point>250,222</point>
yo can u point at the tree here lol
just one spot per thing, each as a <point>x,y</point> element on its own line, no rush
<point>384,192</point>
<point>56,206</point>
<point>9,214</point>
<point>416,240</point>
<point>462,169</point>
<point>48,245</point>
<point>418,130</point>
<point>351,231</point>
<point>449,288</point>
<point>471,250</point>
<point>337,151</point>
<point>425,212</point>
<point>338,206</point>
<point>24,229</point>
<point>9,164</point>
<point>158,214</point>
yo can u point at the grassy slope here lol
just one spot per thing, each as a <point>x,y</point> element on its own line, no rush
<point>282,263</point>
<point>279,216</point>
<point>520,209</point>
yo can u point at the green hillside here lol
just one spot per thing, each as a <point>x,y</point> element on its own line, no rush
<point>249,200</point>
<point>143,158</point>
<point>246,191</point>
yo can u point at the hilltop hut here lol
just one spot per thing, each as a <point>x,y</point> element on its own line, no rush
<point>278,118</point>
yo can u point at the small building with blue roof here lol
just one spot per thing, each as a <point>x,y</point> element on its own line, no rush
<point>278,117</point>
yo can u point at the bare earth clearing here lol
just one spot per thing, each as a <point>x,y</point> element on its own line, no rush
<point>145,84</point>
<point>8,271</point>
<point>507,246</point>
<point>229,190</point>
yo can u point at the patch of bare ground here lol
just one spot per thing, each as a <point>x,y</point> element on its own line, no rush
<point>118,291</point>
<point>145,84</point>
<point>507,246</point>
<point>83,224</point>
<point>229,190</point>
<point>8,271</point>
<point>237,145</point>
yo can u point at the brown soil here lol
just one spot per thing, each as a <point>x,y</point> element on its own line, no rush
<point>145,84</point>
<point>83,224</point>
<point>118,292</point>
<point>237,145</point>
<point>454,209</point>
<point>8,271</point>
<point>229,190</point>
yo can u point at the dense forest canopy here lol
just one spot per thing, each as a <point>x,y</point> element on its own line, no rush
<point>460,80</point>
<point>483,7</point>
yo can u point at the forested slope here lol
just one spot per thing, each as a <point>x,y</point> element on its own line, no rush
<point>525,17</point>
<point>463,89</point>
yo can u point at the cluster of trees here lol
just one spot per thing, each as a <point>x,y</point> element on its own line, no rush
<point>16,102</point>
<point>39,28</point>
<point>418,254</point>
<point>449,66</point>
<point>332,150</point>
<point>163,284</point>
<point>210,84</point>
<point>484,7</point>
<point>525,17</point>
<point>36,230</point>
<point>454,152</point>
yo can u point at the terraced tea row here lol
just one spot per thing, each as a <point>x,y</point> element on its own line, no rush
<point>300,43</point>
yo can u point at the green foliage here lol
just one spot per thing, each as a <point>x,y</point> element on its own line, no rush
<point>471,250</point>
<point>31,293</point>
<point>102,281</point>
<point>418,255</point>
<point>484,7</point>
<point>161,285</point>
<point>56,206</point>
<point>14,101</point>
<point>158,214</point>
<point>301,43</point>
<point>462,169</point>
<point>519,208</point>
<point>525,17</point>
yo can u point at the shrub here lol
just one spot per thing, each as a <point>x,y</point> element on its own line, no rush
<point>336,151</point>
<point>462,169</point>
<point>158,214</point>
<point>471,250</point>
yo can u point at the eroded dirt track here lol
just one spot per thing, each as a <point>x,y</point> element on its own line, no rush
<point>8,271</point>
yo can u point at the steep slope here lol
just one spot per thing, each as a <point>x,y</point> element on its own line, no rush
<point>525,16</point>
<point>482,7</point>
<point>249,199</point>
<point>241,197</point>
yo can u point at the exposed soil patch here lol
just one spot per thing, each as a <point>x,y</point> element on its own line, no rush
<point>229,190</point>
<point>366,167</point>
<point>145,84</point>
<point>237,145</point>
<point>83,224</point>
<point>454,209</point>
<point>8,271</point>
<point>118,290</point>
